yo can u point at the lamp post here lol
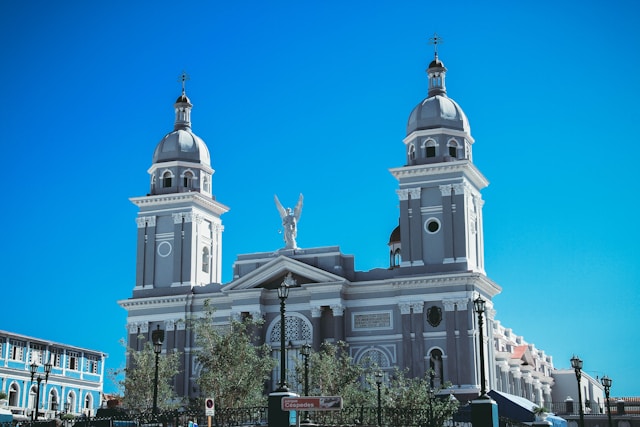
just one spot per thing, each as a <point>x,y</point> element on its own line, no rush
<point>379,384</point>
<point>306,352</point>
<point>576,364</point>
<point>157,337</point>
<point>33,368</point>
<point>606,383</point>
<point>479,305</point>
<point>283,294</point>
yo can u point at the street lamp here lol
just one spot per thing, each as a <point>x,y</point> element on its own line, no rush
<point>379,384</point>
<point>306,352</point>
<point>606,383</point>
<point>283,294</point>
<point>479,305</point>
<point>33,368</point>
<point>157,337</point>
<point>576,364</point>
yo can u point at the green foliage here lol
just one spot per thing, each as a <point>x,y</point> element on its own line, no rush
<point>3,395</point>
<point>234,370</point>
<point>417,393</point>
<point>332,372</point>
<point>139,378</point>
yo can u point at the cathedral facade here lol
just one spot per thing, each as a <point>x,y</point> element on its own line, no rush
<point>416,313</point>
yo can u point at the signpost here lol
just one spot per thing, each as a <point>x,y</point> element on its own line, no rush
<point>209,409</point>
<point>319,403</point>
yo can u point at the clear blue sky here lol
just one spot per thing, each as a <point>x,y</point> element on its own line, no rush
<point>313,97</point>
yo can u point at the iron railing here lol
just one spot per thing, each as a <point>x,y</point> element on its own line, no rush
<point>349,416</point>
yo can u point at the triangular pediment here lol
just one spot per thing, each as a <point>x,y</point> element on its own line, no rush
<point>272,274</point>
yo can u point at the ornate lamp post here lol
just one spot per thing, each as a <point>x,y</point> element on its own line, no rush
<point>379,384</point>
<point>479,305</point>
<point>606,383</point>
<point>576,364</point>
<point>157,337</point>
<point>306,352</point>
<point>33,368</point>
<point>283,294</point>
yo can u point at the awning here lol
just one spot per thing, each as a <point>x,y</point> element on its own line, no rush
<point>513,407</point>
<point>520,409</point>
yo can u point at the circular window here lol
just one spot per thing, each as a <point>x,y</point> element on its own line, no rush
<point>164,249</point>
<point>432,225</point>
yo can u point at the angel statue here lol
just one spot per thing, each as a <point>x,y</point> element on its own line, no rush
<point>290,220</point>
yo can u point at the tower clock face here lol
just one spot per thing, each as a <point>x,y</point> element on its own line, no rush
<point>164,249</point>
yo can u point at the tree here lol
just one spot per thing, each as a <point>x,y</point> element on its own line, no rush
<point>233,369</point>
<point>138,382</point>
<point>418,393</point>
<point>333,372</point>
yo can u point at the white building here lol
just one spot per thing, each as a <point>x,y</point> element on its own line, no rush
<point>417,312</point>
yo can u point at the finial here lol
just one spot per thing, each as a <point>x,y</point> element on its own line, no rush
<point>435,41</point>
<point>183,78</point>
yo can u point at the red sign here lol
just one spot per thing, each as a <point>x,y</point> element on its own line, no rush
<point>320,403</point>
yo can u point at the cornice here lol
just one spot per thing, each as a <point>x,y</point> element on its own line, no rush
<point>461,166</point>
<point>174,198</point>
<point>438,131</point>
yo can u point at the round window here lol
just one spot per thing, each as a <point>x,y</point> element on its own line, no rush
<point>432,225</point>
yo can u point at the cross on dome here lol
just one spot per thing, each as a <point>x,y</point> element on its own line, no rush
<point>435,41</point>
<point>183,78</point>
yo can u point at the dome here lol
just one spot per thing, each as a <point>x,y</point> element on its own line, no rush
<point>182,144</point>
<point>437,112</point>
<point>436,63</point>
<point>395,236</point>
<point>183,98</point>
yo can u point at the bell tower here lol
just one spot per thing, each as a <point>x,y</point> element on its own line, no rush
<point>439,187</point>
<point>179,225</point>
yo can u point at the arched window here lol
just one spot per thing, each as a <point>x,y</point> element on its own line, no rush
<point>167,179</point>
<point>14,392</point>
<point>374,358</point>
<point>453,149</point>
<point>396,258</point>
<point>430,148</point>
<point>412,152</point>
<point>53,400</point>
<point>187,179</point>
<point>71,400</point>
<point>88,403</point>
<point>205,259</point>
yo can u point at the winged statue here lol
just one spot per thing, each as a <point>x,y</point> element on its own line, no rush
<point>290,220</point>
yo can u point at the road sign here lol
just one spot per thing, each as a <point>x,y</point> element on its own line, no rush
<point>209,407</point>
<point>319,403</point>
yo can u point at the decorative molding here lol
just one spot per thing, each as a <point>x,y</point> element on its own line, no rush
<point>405,308</point>
<point>445,190</point>
<point>146,221</point>
<point>338,310</point>
<point>415,193</point>
<point>316,311</point>
<point>403,194</point>
<point>417,306</point>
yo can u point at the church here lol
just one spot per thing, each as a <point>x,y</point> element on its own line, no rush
<point>417,312</point>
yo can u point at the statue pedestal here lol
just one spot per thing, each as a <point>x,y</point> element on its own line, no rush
<point>484,412</point>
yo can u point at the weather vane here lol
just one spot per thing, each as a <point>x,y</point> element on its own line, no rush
<point>183,79</point>
<point>435,41</point>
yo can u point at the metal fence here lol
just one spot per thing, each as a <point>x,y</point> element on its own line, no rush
<point>618,406</point>
<point>258,416</point>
